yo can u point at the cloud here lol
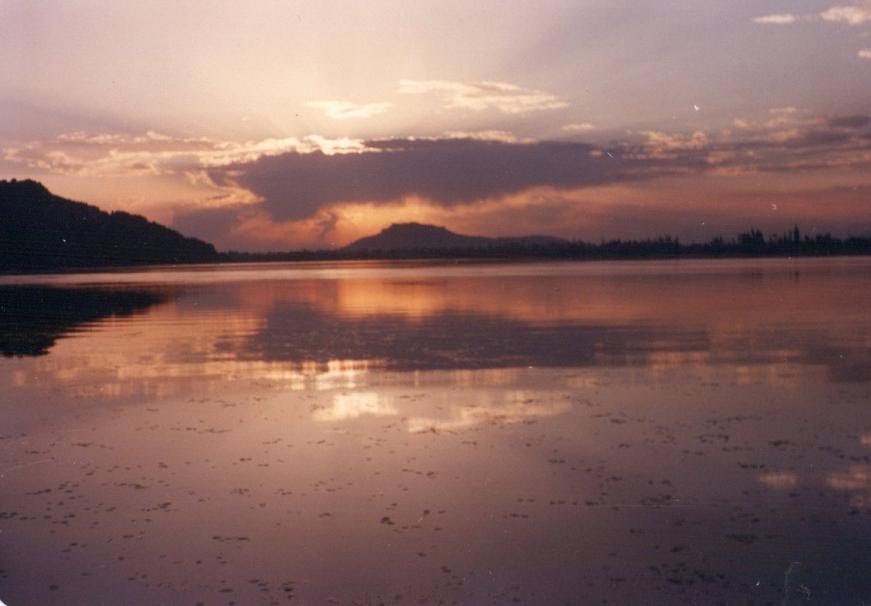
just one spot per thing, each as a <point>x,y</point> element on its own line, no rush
<point>796,151</point>
<point>660,142</point>
<point>104,154</point>
<point>173,169</point>
<point>794,127</point>
<point>345,110</point>
<point>778,19</point>
<point>284,192</point>
<point>578,127</point>
<point>478,96</point>
<point>445,172</point>
<point>484,135</point>
<point>786,140</point>
<point>857,121</point>
<point>851,15</point>
<point>448,172</point>
<point>216,224</point>
<point>781,124</point>
<point>249,227</point>
<point>865,53</point>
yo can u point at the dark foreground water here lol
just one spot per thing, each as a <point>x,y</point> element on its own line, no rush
<point>624,433</point>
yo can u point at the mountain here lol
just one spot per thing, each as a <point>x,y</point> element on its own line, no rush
<point>40,231</point>
<point>421,237</point>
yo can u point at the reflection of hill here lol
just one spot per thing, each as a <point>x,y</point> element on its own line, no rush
<point>32,318</point>
<point>777,324</point>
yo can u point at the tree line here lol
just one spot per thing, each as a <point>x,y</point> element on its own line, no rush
<point>752,243</point>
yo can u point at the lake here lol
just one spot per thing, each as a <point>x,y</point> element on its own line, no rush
<point>688,431</point>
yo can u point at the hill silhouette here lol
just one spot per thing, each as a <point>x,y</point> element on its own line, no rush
<point>420,236</point>
<point>420,241</point>
<point>39,231</point>
<point>43,232</point>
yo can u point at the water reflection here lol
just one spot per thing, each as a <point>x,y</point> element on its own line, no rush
<point>755,323</point>
<point>659,433</point>
<point>514,407</point>
<point>782,480</point>
<point>33,318</point>
<point>423,412</point>
<point>354,405</point>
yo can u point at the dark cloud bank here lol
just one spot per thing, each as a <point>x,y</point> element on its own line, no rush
<point>296,185</point>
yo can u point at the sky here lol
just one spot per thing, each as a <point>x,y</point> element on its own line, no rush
<point>274,125</point>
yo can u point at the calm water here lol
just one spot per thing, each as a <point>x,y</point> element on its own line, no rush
<point>664,432</point>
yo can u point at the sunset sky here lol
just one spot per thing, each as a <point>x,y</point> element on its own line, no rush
<point>276,125</point>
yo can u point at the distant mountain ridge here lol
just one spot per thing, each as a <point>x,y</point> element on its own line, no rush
<point>39,231</point>
<point>421,236</point>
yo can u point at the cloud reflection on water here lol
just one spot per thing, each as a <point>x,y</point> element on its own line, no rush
<point>760,321</point>
<point>599,419</point>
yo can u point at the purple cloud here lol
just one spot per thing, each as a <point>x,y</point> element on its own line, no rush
<point>447,172</point>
